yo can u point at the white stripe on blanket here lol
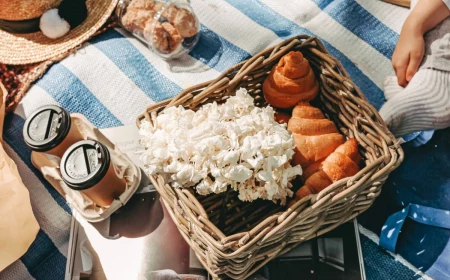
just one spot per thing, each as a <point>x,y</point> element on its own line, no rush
<point>36,98</point>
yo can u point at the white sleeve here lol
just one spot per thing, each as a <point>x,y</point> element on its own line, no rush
<point>447,3</point>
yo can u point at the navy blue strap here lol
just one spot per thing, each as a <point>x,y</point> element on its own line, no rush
<point>418,213</point>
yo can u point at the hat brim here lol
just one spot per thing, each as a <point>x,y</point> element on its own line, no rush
<point>16,49</point>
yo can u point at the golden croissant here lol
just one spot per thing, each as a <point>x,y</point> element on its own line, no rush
<point>315,136</point>
<point>342,163</point>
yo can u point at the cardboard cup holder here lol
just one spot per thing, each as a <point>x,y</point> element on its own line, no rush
<point>48,165</point>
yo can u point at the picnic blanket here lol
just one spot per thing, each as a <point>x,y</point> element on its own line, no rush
<point>114,77</point>
<point>415,205</point>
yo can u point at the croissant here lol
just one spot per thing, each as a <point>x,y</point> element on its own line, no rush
<point>290,81</point>
<point>343,162</point>
<point>315,136</point>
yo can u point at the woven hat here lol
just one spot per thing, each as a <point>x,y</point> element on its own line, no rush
<point>33,46</point>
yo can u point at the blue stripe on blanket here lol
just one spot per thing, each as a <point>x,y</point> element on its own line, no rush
<point>216,52</point>
<point>323,3</point>
<point>135,66</point>
<point>73,95</point>
<point>361,23</point>
<point>43,260</point>
<point>284,28</point>
<point>14,138</point>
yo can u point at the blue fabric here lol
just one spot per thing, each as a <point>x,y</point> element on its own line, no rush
<point>418,213</point>
<point>423,179</point>
<point>43,260</point>
<point>379,264</point>
<point>419,138</point>
<point>216,52</point>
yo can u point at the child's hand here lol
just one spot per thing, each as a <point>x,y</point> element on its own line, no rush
<point>409,51</point>
<point>408,54</point>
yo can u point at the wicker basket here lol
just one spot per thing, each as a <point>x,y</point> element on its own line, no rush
<point>233,239</point>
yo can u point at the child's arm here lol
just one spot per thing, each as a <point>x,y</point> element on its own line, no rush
<point>409,51</point>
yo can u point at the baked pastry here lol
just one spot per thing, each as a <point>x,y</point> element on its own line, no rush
<point>185,22</point>
<point>165,37</point>
<point>290,82</point>
<point>315,136</point>
<point>141,4</point>
<point>342,163</point>
<point>135,20</point>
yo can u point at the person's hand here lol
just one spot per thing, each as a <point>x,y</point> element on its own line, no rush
<point>408,53</point>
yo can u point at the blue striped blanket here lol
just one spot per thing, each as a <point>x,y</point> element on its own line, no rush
<point>114,77</point>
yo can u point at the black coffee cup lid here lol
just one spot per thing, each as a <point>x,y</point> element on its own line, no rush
<point>46,128</point>
<point>84,164</point>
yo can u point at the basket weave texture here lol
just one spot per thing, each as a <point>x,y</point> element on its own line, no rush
<point>232,238</point>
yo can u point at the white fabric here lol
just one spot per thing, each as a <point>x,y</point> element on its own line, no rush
<point>423,105</point>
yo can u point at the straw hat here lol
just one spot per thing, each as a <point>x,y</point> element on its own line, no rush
<point>21,41</point>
